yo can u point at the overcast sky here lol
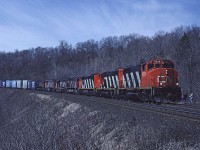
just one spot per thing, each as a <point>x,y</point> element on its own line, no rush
<point>30,23</point>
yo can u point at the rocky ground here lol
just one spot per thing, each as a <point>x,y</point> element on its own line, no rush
<point>44,121</point>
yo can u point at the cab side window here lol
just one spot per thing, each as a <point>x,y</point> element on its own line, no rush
<point>143,67</point>
<point>150,66</point>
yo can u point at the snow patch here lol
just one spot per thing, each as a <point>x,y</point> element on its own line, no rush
<point>70,109</point>
<point>42,96</point>
<point>59,104</point>
<point>96,129</point>
<point>92,113</point>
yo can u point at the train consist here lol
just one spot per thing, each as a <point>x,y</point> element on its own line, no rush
<point>154,80</point>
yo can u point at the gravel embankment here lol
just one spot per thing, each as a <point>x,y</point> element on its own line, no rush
<point>43,120</point>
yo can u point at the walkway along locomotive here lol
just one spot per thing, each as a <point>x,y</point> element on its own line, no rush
<point>154,80</point>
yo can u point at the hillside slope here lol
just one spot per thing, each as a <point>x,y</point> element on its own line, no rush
<point>43,120</point>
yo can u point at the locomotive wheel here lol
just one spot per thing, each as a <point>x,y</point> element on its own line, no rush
<point>143,97</point>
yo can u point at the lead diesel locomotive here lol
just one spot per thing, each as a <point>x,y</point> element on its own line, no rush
<point>154,80</point>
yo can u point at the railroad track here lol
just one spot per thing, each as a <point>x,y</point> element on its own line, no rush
<point>191,107</point>
<point>183,112</point>
<point>191,114</point>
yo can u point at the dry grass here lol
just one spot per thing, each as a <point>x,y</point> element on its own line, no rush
<point>36,120</point>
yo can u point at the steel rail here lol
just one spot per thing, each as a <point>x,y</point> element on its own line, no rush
<point>185,114</point>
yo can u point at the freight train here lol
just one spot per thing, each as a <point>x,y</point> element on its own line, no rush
<point>155,80</point>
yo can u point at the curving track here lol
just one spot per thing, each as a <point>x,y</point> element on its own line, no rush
<point>191,113</point>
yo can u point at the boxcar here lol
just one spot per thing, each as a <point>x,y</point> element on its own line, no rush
<point>40,85</point>
<point>24,84</point>
<point>19,84</point>
<point>14,84</point>
<point>2,83</point>
<point>8,83</point>
<point>49,85</point>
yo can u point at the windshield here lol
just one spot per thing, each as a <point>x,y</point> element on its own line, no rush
<point>168,65</point>
<point>158,65</point>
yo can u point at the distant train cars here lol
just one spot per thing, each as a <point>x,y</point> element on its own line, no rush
<point>154,80</point>
<point>18,84</point>
<point>22,84</point>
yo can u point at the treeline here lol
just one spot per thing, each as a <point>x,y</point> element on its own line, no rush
<point>181,45</point>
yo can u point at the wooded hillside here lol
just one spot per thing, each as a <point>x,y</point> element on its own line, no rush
<point>181,45</point>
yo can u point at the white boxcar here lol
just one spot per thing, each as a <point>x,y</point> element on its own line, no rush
<point>8,83</point>
<point>19,84</point>
<point>14,84</point>
<point>4,83</point>
<point>25,84</point>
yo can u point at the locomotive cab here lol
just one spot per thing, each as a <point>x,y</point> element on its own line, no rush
<point>158,73</point>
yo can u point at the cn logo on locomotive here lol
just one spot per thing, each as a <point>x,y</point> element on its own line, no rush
<point>143,73</point>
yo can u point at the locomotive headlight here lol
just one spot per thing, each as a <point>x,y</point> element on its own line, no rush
<point>161,83</point>
<point>165,71</point>
<point>176,83</point>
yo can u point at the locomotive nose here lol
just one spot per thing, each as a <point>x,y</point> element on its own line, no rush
<point>162,80</point>
<point>166,79</point>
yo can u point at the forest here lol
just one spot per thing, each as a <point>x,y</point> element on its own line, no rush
<point>181,45</point>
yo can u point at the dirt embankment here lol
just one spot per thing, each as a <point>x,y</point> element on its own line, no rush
<point>42,120</point>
